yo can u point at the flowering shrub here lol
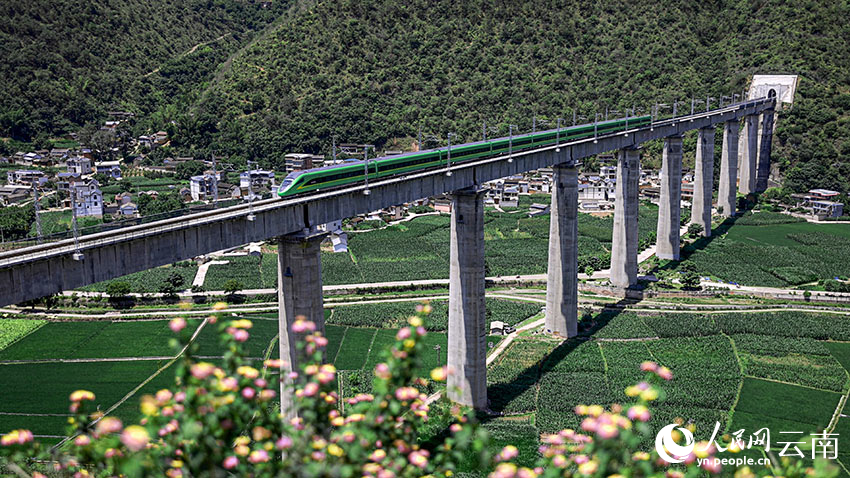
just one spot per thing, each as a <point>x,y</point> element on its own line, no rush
<point>221,420</point>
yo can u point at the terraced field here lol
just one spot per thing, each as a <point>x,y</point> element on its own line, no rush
<point>786,370</point>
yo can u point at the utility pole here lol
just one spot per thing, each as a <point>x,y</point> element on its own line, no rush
<point>366,147</point>
<point>484,131</point>
<point>449,156</point>
<point>419,141</point>
<point>333,139</point>
<point>214,182</point>
<point>511,143</point>
<point>77,256</point>
<point>37,216</point>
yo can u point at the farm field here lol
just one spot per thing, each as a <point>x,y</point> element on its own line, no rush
<point>41,363</point>
<point>744,370</point>
<point>774,250</point>
<point>150,280</point>
<point>419,249</point>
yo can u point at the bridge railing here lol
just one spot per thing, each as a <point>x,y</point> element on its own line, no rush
<point>659,117</point>
<point>121,223</point>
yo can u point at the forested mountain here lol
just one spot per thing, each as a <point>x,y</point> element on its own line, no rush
<point>65,63</point>
<point>370,71</point>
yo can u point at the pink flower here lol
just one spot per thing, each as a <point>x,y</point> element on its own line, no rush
<point>712,465</point>
<point>202,370</point>
<point>382,371</point>
<point>135,437</point>
<point>240,335</point>
<point>639,412</point>
<point>311,389</point>
<point>258,456</point>
<point>82,440</point>
<point>230,462</point>
<point>403,334</point>
<point>648,366</point>
<point>283,443</point>
<point>178,324</point>
<point>301,326</point>
<point>508,453</point>
<point>418,458</point>
<point>665,373</point>
<point>108,425</point>
<point>607,431</point>
<point>248,393</point>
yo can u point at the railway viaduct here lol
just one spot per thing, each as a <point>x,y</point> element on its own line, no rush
<point>47,268</point>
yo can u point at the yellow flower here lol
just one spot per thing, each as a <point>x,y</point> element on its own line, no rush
<point>649,394</point>
<point>632,391</point>
<point>220,306</point>
<point>438,374</point>
<point>335,450</point>
<point>409,343</point>
<point>414,321</point>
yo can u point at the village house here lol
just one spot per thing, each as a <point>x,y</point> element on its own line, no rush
<point>203,187</point>
<point>79,165</point>
<point>256,179</point>
<point>66,180</point>
<point>26,177</point>
<point>109,168</point>
<point>12,194</point>
<point>87,199</point>
<point>302,161</point>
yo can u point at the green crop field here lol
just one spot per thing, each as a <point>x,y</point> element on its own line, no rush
<point>744,370</point>
<point>515,244</point>
<point>151,280</point>
<point>13,329</point>
<point>771,249</point>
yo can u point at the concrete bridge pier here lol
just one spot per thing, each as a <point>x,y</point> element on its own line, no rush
<point>748,155</point>
<point>562,282</point>
<point>670,203</point>
<point>703,180</point>
<point>624,244</point>
<point>764,146</point>
<point>727,195</point>
<point>467,348</point>
<point>299,278</point>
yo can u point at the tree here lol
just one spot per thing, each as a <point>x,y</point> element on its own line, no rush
<point>690,280</point>
<point>117,290</point>
<point>171,284</point>
<point>232,286</point>
<point>694,230</point>
<point>188,169</point>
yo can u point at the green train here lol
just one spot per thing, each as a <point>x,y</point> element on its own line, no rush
<point>334,176</point>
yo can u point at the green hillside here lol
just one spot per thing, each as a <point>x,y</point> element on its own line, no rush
<point>376,71</point>
<point>66,63</point>
<point>371,73</point>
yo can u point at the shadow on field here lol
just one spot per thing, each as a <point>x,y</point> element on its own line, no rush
<point>699,244</point>
<point>502,394</point>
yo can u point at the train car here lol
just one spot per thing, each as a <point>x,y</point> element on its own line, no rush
<point>331,177</point>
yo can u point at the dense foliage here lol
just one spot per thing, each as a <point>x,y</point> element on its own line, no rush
<point>65,64</point>
<point>378,72</point>
<point>370,74</point>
